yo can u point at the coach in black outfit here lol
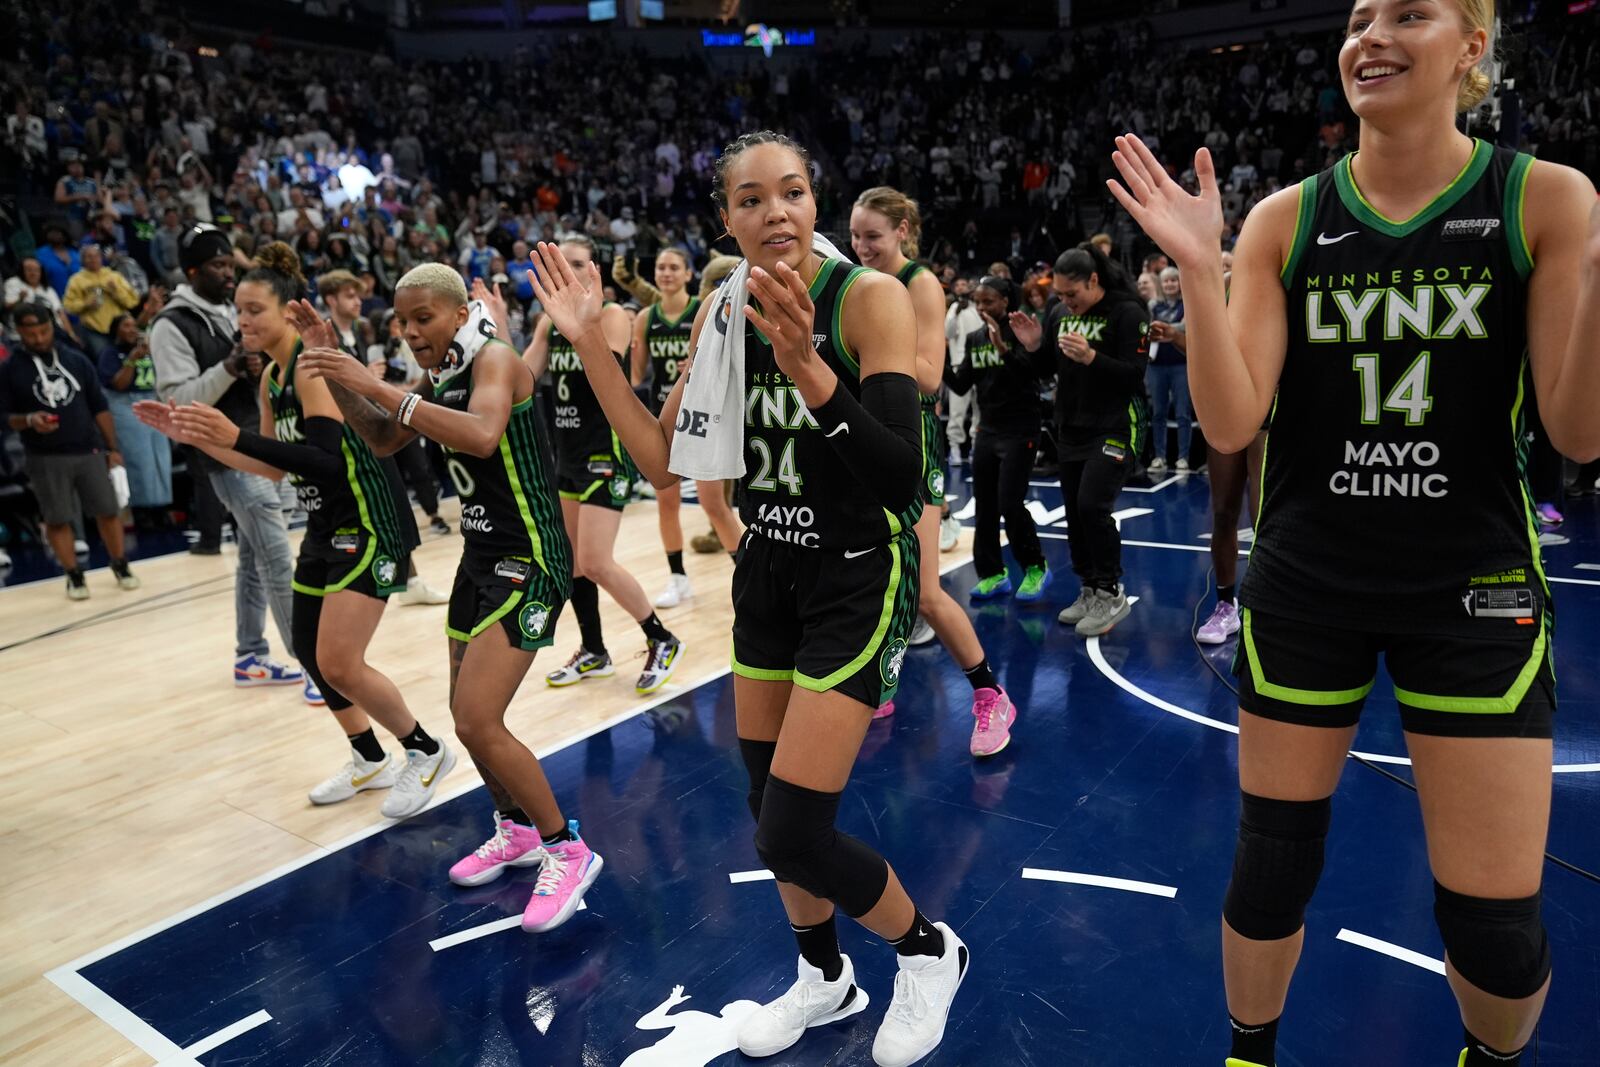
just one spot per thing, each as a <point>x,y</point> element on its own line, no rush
<point>51,394</point>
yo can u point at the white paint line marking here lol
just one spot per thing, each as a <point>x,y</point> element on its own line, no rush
<point>1158,486</point>
<point>108,1010</point>
<point>1575,581</point>
<point>1119,517</point>
<point>1126,884</point>
<point>461,937</point>
<point>1148,544</point>
<point>1588,567</point>
<point>1098,658</point>
<point>737,877</point>
<point>1416,959</point>
<point>1043,516</point>
<point>227,1033</point>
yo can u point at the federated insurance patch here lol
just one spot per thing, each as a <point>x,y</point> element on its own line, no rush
<point>1470,229</point>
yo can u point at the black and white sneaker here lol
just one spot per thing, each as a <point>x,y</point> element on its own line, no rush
<point>660,660</point>
<point>583,664</point>
<point>811,1001</point>
<point>923,992</point>
<point>439,526</point>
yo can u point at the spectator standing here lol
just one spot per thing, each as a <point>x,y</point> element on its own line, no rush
<point>97,295</point>
<point>30,287</point>
<point>960,320</point>
<point>197,358</point>
<point>1168,376</point>
<point>59,259</point>
<point>51,394</point>
<point>129,375</point>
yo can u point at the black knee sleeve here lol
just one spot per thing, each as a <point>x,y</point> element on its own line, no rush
<point>1276,865</point>
<point>304,623</point>
<point>796,839</point>
<point>1499,946</point>
<point>758,762</point>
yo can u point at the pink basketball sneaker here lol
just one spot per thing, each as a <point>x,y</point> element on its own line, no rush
<point>512,845</point>
<point>992,713</point>
<point>569,870</point>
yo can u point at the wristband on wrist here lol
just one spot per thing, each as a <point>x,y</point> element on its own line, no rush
<point>406,408</point>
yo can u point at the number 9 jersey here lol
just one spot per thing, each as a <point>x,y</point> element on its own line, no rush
<point>1393,484</point>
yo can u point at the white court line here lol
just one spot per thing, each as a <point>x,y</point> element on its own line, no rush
<point>227,1033</point>
<point>1148,544</point>
<point>1588,567</point>
<point>738,877</point>
<point>149,1040</point>
<point>1098,658</point>
<point>1125,884</point>
<point>1416,959</point>
<point>1158,486</point>
<point>472,933</point>
<point>1575,581</point>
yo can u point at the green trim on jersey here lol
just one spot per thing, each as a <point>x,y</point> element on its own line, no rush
<point>1302,228</point>
<point>1516,201</point>
<point>527,452</point>
<point>488,620</point>
<point>1500,705</point>
<point>891,594</point>
<point>909,271</point>
<point>759,674</point>
<point>1309,697</point>
<point>1368,215</point>
<point>656,315</point>
<point>849,357</point>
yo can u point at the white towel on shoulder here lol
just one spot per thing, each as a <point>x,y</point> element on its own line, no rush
<point>477,332</point>
<point>708,444</point>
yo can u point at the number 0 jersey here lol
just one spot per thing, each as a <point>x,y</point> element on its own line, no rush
<point>1393,485</point>
<point>509,507</point>
<point>796,488</point>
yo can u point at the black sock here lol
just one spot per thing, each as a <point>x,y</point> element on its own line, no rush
<point>516,815</point>
<point>563,834</point>
<point>1481,1055</point>
<point>675,562</point>
<point>819,945</point>
<point>734,555</point>
<point>366,745</point>
<point>418,739</point>
<point>653,630</point>
<point>1226,593</point>
<point>923,939</point>
<point>75,574</point>
<point>1254,1044</point>
<point>586,605</point>
<point>982,676</point>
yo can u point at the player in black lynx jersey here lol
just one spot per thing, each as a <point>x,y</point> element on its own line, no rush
<point>1390,304</point>
<point>660,352</point>
<point>351,557</point>
<point>516,564</point>
<point>884,227</point>
<point>595,477</point>
<point>825,589</point>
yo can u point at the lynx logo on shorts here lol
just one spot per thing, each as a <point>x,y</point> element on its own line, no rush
<point>385,570</point>
<point>936,482</point>
<point>533,619</point>
<point>619,487</point>
<point>893,658</point>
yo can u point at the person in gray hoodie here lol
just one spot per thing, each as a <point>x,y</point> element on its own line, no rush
<point>194,345</point>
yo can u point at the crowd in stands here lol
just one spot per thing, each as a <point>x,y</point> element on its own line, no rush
<point>121,133</point>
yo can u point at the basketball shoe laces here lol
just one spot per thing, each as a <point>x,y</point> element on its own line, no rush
<point>497,845</point>
<point>655,657</point>
<point>985,711</point>
<point>551,874</point>
<point>794,1007</point>
<point>910,1003</point>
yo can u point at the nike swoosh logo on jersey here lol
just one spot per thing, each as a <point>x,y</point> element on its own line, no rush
<point>858,553</point>
<point>1324,239</point>
<point>843,427</point>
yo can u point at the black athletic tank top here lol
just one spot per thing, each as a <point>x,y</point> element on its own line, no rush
<point>910,270</point>
<point>796,488</point>
<point>1393,489</point>
<point>509,505</point>
<point>581,426</point>
<point>668,343</point>
<point>341,507</point>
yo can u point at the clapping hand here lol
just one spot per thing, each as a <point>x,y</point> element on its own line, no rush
<point>785,317</point>
<point>202,424</point>
<point>336,365</point>
<point>573,303</point>
<point>1027,329</point>
<point>490,295</point>
<point>1188,228</point>
<point>1075,347</point>
<point>314,330</point>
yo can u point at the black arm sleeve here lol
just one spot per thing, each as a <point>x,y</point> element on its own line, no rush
<point>881,441</point>
<point>317,459</point>
<point>958,376</point>
<point>1046,357</point>
<point>1124,359</point>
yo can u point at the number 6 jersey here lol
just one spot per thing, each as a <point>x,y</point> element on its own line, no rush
<point>1393,486</point>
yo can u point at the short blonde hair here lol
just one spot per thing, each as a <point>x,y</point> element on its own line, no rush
<point>436,278</point>
<point>1475,84</point>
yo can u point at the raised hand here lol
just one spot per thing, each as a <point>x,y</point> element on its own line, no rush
<point>573,303</point>
<point>785,317</point>
<point>994,331</point>
<point>156,414</point>
<point>336,365</point>
<point>1075,347</point>
<point>1027,329</point>
<point>490,295</point>
<point>314,330</point>
<point>1188,228</point>
<point>202,424</point>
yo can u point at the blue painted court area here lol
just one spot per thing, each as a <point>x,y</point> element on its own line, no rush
<point>1098,782</point>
